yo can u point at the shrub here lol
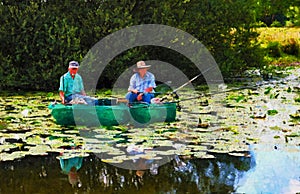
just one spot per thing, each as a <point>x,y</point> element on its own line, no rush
<point>276,24</point>
<point>38,38</point>
<point>260,24</point>
<point>274,49</point>
<point>291,47</point>
<point>289,24</point>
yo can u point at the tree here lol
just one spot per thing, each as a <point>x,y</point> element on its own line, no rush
<point>38,38</point>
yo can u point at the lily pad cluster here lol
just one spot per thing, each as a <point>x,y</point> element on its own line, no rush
<point>207,124</point>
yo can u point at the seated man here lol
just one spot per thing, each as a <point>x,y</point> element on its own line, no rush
<point>71,87</point>
<point>141,84</point>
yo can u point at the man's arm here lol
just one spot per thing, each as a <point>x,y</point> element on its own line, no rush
<point>81,86</point>
<point>132,85</point>
<point>62,97</point>
<point>152,84</point>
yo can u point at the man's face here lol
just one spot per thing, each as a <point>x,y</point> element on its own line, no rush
<point>143,70</point>
<point>73,71</point>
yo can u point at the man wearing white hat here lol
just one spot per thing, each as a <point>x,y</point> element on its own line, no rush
<point>71,86</point>
<point>141,84</point>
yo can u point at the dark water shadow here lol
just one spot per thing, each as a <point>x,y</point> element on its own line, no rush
<point>43,174</point>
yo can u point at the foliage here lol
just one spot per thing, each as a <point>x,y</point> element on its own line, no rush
<point>272,112</point>
<point>277,13</point>
<point>277,24</point>
<point>274,49</point>
<point>282,45</point>
<point>38,38</point>
<point>291,47</point>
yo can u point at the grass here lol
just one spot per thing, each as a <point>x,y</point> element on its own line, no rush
<point>282,45</point>
<point>281,35</point>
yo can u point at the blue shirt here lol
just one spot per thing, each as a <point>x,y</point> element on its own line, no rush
<point>140,84</point>
<point>67,164</point>
<point>69,85</point>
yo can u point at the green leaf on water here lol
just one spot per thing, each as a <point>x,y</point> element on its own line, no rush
<point>203,155</point>
<point>275,128</point>
<point>272,112</point>
<point>294,134</point>
<point>297,99</point>
<point>12,156</point>
<point>3,125</point>
<point>49,94</point>
<point>268,90</point>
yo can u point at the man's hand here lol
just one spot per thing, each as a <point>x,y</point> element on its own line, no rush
<point>134,91</point>
<point>149,89</point>
<point>140,97</point>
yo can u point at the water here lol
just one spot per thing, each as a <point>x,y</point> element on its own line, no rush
<point>44,174</point>
<point>237,152</point>
<point>269,170</point>
<point>276,170</point>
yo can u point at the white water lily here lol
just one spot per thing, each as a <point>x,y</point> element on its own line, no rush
<point>222,87</point>
<point>25,112</point>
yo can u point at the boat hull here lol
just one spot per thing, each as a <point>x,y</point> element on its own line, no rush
<point>84,115</point>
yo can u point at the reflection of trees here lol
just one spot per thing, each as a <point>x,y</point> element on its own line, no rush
<point>197,176</point>
<point>217,175</point>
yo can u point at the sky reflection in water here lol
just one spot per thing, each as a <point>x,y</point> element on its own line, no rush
<point>277,170</point>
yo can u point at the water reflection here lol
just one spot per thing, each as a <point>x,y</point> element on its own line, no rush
<point>277,170</point>
<point>70,167</point>
<point>47,174</point>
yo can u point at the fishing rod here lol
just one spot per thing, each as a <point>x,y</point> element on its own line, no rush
<point>188,82</point>
<point>251,87</point>
<point>219,92</point>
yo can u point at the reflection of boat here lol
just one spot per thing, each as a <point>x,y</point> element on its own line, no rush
<point>110,114</point>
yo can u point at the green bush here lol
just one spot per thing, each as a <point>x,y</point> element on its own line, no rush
<point>260,24</point>
<point>276,24</point>
<point>291,47</point>
<point>274,49</point>
<point>38,38</point>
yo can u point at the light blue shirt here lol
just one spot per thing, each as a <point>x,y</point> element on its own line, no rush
<point>140,84</point>
<point>69,85</point>
<point>67,164</point>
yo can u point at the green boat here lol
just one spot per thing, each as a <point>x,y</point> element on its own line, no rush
<point>112,114</point>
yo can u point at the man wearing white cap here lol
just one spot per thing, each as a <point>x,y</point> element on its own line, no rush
<point>141,84</point>
<point>71,86</point>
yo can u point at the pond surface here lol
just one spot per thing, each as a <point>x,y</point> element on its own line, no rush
<point>238,141</point>
<point>44,174</point>
<point>269,170</point>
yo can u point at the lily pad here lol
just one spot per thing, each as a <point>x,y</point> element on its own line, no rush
<point>113,160</point>
<point>12,156</point>
<point>272,112</point>
<point>203,155</point>
<point>38,149</point>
